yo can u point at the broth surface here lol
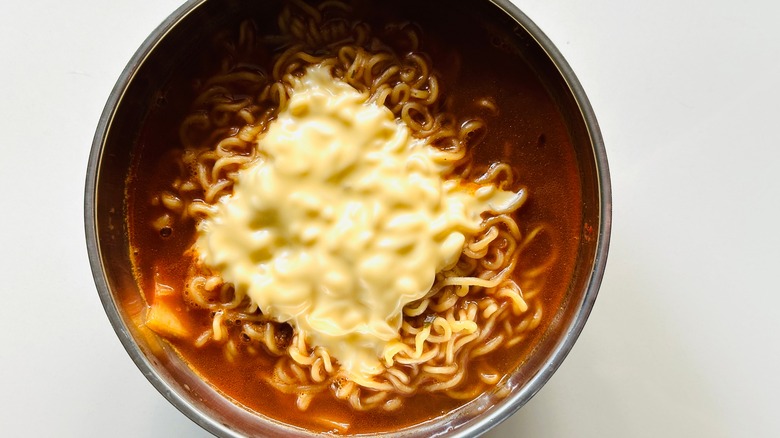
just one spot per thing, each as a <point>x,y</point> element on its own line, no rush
<point>528,132</point>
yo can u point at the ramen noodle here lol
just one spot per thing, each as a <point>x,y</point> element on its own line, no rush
<point>326,225</point>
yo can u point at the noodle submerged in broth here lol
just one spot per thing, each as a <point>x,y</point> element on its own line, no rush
<point>306,254</point>
<point>342,221</point>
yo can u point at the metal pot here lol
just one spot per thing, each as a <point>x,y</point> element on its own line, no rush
<point>107,242</point>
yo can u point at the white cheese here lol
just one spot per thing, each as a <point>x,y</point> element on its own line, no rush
<point>344,221</point>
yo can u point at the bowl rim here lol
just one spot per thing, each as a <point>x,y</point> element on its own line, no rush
<point>473,428</point>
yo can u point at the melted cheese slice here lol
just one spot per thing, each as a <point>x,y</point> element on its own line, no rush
<point>344,221</point>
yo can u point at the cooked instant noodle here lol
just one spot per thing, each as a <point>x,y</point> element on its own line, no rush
<point>475,306</point>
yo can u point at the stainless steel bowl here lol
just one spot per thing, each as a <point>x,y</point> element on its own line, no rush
<point>106,227</point>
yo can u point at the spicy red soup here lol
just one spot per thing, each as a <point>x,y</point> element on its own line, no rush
<point>479,80</point>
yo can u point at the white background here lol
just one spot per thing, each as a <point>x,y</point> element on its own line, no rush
<point>683,338</point>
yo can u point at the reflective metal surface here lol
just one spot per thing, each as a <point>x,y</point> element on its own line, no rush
<point>106,228</point>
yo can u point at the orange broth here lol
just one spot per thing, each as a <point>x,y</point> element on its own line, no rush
<point>529,132</point>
